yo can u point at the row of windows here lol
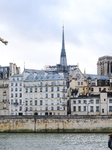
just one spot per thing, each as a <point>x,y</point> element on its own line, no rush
<point>46,108</point>
<point>85,102</point>
<point>41,89</point>
<point>17,79</point>
<point>16,84</point>
<point>80,83</point>
<point>91,101</point>
<point>92,89</point>
<point>46,96</point>
<point>16,101</point>
<point>41,102</point>
<point>20,108</point>
<point>16,95</point>
<point>16,89</point>
<point>85,109</point>
<point>91,108</point>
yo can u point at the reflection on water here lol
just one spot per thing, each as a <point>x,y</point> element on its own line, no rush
<point>35,141</point>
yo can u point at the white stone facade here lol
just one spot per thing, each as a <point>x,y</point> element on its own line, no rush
<point>16,95</point>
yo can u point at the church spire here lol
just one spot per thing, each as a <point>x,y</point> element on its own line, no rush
<point>63,60</point>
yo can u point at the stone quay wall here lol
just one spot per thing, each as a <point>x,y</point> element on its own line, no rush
<point>56,124</point>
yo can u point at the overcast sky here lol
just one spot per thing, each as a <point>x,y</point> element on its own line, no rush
<point>33,29</point>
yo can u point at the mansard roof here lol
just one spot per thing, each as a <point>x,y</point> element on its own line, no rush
<point>17,75</point>
<point>98,77</point>
<point>40,77</point>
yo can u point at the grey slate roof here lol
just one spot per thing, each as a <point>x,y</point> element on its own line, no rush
<point>17,75</point>
<point>99,77</point>
<point>47,77</point>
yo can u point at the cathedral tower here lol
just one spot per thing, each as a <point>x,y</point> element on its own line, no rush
<point>63,59</point>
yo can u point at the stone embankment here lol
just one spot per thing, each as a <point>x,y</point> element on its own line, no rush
<point>58,124</point>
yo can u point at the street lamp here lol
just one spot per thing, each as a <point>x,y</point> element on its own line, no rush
<point>2,40</point>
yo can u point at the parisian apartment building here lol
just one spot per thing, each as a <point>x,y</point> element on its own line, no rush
<point>37,93</point>
<point>5,73</point>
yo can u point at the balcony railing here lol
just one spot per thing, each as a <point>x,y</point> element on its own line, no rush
<point>4,100</point>
<point>16,103</point>
<point>64,103</point>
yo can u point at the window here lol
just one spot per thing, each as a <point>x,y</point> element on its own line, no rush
<point>26,103</point>
<point>4,98</point>
<point>20,94</point>
<point>52,102</point>
<point>81,83</point>
<point>20,84</point>
<point>30,90</point>
<point>13,79</point>
<point>52,108</point>
<point>16,95</point>
<point>97,108</point>
<point>26,109</point>
<point>79,102</point>
<point>41,83</point>
<point>64,95</point>
<point>91,101</point>
<point>85,101</point>
<point>46,89</point>
<point>52,89</point>
<point>11,89</point>
<point>16,84</point>
<point>57,88</point>
<point>92,89</point>
<point>20,108</point>
<point>17,79</point>
<point>11,95</point>
<point>97,101</point>
<point>11,101</point>
<point>31,96</point>
<point>84,108</point>
<point>52,83</point>
<point>110,108</point>
<point>78,83</point>
<point>11,84</point>
<point>58,102</point>
<point>4,91</point>
<point>40,102</point>
<point>52,95</point>
<point>46,108</point>
<point>74,102</point>
<point>104,89</point>
<point>35,102</point>
<point>46,102</point>
<point>35,96</point>
<point>58,108</point>
<point>110,100</point>
<point>46,95</point>
<point>31,109</point>
<point>20,89</point>
<point>15,89</point>
<point>74,108</point>
<point>79,108</point>
<point>91,108</point>
<point>26,90</point>
<point>93,83</point>
<point>40,89</point>
<point>102,110</point>
<point>35,89</point>
<point>30,102</point>
<point>58,95</point>
<point>20,101</point>
<point>99,89</point>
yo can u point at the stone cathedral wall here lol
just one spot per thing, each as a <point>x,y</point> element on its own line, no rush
<point>62,124</point>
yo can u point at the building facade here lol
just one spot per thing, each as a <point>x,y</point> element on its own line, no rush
<point>5,73</point>
<point>104,65</point>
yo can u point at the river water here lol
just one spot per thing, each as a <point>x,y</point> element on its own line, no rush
<point>53,141</point>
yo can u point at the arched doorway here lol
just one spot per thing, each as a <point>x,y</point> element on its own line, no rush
<point>46,113</point>
<point>35,113</point>
<point>50,113</point>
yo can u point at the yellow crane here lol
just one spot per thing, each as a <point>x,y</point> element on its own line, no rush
<point>2,40</point>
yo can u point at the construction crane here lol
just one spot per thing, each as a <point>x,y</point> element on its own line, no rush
<point>2,40</point>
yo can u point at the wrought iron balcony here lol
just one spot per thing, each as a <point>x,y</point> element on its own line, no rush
<point>16,103</point>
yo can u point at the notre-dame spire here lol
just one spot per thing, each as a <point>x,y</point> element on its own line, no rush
<point>63,60</point>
